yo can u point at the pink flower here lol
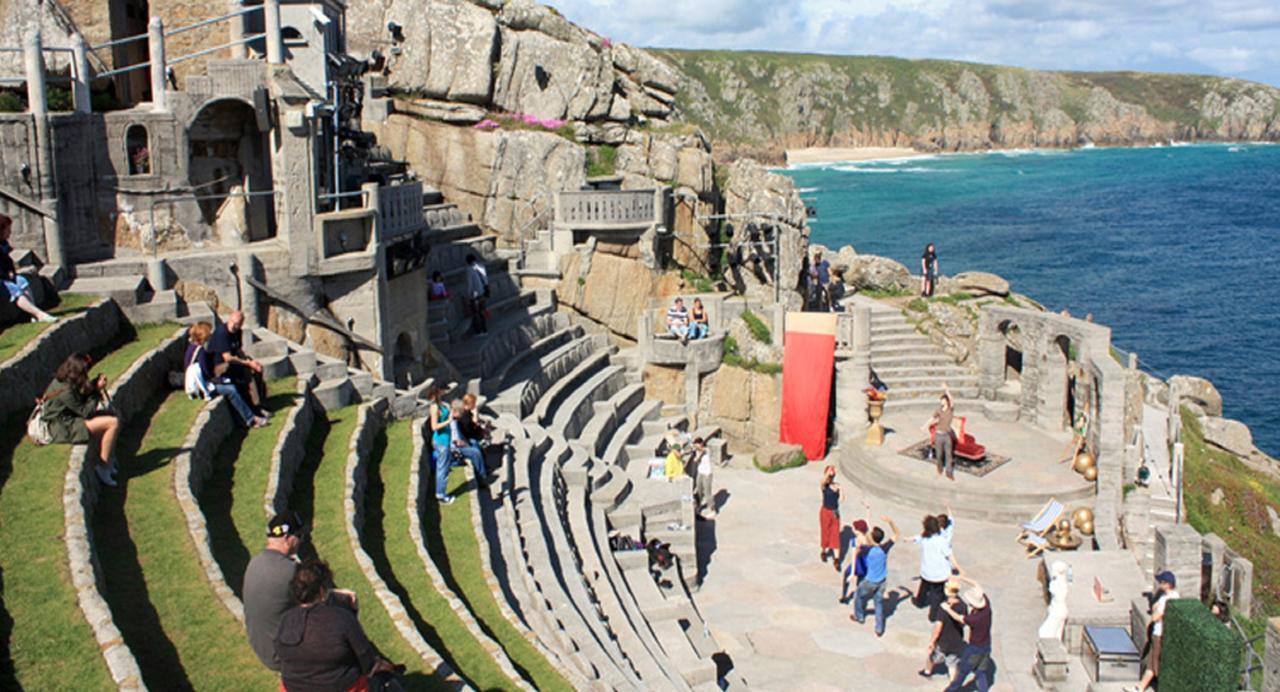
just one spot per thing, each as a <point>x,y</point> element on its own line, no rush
<point>487,124</point>
<point>606,43</point>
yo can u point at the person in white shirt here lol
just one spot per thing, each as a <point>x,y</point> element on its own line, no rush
<point>936,563</point>
<point>1166,588</point>
<point>477,293</point>
<point>702,492</point>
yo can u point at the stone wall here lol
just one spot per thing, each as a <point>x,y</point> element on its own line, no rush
<point>762,205</point>
<point>27,373</point>
<point>747,405</point>
<point>611,290</point>
<point>291,449</point>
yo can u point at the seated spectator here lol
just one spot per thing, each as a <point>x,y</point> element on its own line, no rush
<point>73,408</point>
<point>474,429</point>
<point>15,284</point>
<point>698,323</point>
<point>436,290</point>
<point>226,347</point>
<point>200,381</point>
<point>266,585</point>
<point>674,467</point>
<point>464,446</point>
<point>321,646</point>
<point>678,320</point>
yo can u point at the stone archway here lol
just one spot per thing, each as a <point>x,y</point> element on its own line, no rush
<point>1014,348</point>
<point>227,152</point>
<point>1056,388</point>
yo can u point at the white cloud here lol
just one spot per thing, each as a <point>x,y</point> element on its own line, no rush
<point>1231,37</point>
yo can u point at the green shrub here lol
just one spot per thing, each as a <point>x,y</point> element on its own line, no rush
<point>918,305</point>
<point>1010,300</point>
<point>1199,654</point>
<point>603,160</point>
<point>952,298</point>
<point>701,283</point>
<point>733,356</point>
<point>894,292</point>
<point>11,103</point>
<point>759,330</point>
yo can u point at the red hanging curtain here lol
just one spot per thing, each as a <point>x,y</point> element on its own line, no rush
<point>808,363</point>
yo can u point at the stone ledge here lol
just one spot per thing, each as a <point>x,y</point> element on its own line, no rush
<point>290,449</point>
<point>24,376</point>
<point>191,468</point>
<point>80,498</point>
<point>371,418</point>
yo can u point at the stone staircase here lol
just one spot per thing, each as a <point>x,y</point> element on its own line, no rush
<point>917,371</point>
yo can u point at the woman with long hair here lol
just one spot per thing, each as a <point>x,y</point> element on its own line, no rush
<point>72,407</point>
<point>829,516</point>
<point>441,419</point>
<point>197,355</point>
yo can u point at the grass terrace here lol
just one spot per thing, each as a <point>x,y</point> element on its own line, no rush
<point>47,643</point>
<point>232,497</point>
<point>318,492</point>
<point>159,595</point>
<point>451,540</point>
<point>16,336</point>
<point>391,546</point>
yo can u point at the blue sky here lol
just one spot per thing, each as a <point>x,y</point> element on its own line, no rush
<point>1239,38</point>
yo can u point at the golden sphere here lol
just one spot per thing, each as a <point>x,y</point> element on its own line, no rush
<point>1087,528</point>
<point>1064,526</point>
<point>1081,515</point>
<point>1084,460</point>
<point>1091,473</point>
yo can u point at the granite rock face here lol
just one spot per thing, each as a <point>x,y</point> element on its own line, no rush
<point>1199,391</point>
<point>980,283</point>
<point>517,57</point>
<point>762,204</point>
<point>1231,435</point>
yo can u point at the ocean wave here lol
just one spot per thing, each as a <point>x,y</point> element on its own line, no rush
<point>808,190</point>
<point>850,168</point>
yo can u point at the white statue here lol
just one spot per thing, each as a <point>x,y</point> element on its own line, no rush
<point>1056,618</point>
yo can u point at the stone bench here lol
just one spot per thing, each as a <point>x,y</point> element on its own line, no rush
<point>26,374</point>
<point>520,399</point>
<point>607,415</point>
<point>579,406</point>
<point>549,403</point>
<point>523,358</point>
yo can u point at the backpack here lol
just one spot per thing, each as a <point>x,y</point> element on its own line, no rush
<point>37,427</point>
<point>193,381</point>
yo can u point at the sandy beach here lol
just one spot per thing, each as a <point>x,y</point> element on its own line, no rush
<point>834,154</point>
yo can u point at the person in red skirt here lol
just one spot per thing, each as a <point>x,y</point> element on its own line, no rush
<point>829,516</point>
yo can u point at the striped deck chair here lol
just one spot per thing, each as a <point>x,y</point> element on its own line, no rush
<point>1043,522</point>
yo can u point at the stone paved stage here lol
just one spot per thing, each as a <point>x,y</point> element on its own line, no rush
<point>773,605</point>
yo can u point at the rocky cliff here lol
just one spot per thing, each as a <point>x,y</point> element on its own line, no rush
<point>760,104</point>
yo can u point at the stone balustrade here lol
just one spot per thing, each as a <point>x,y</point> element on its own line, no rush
<point>608,209</point>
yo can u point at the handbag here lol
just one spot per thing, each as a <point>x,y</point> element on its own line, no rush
<point>37,427</point>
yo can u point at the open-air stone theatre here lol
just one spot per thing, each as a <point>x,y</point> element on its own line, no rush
<point>397,345</point>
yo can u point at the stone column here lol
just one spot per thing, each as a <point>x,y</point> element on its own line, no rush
<point>275,42</point>
<point>155,42</point>
<point>38,106</point>
<point>80,75</point>
<point>990,356</point>
<point>236,31</point>
<point>246,267</point>
<point>157,274</point>
<point>1271,658</point>
<point>1178,550</point>
<point>852,374</point>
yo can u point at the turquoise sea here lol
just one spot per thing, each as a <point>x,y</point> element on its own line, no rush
<point>1175,247</point>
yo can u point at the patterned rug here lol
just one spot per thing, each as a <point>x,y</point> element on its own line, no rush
<point>920,452</point>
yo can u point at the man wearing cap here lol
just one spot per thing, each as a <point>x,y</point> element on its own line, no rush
<point>266,585</point>
<point>1166,588</point>
<point>976,656</point>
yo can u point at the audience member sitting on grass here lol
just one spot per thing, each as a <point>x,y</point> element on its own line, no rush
<point>699,326</point>
<point>678,320</point>
<point>15,284</point>
<point>226,347</point>
<point>266,585</point>
<point>465,446</point>
<point>75,411</point>
<point>441,441</point>
<point>476,430</point>
<point>320,645</point>
<point>436,290</point>
<point>200,381</point>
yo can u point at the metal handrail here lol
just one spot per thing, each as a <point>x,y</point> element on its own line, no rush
<point>212,20</point>
<point>119,41</point>
<point>122,70</point>
<point>214,49</point>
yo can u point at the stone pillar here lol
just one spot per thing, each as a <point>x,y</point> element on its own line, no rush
<point>852,374</point>
<point>1241,584</point>
<point>246,267</point>
<point>1214,552</point>
<point>990,356</point>
<point>157,274</point>
<point>1178,550</point>
<point>80,75</point>
<point>1271,658</point>
<point>236,31</point>
<point>155,42</point>
<point>275,42</point>
<point>38,106</point>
